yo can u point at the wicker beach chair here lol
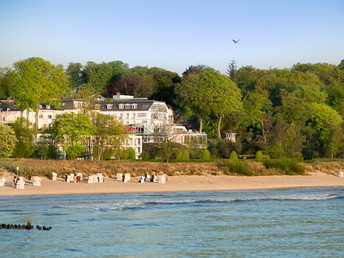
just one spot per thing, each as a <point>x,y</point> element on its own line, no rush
<point>20,183</point>
<point>36,181</point>
<point>2,181</point>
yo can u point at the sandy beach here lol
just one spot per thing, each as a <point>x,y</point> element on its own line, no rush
<point>173,184</point>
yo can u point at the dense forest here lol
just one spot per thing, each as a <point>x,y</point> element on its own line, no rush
<point>296,112</point>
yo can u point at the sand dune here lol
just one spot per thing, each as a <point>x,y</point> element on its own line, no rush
<point>175,183</point>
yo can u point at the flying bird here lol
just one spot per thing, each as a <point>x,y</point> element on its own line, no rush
<point>236,41</point>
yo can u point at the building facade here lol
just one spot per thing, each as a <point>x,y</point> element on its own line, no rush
<point>148,120</point>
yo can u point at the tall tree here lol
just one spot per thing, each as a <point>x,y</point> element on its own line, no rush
<point>220,95</point>
<point>25,133</point>
<point>71,129</point>
<point>109,133</point>
<point>38,81</point>
<point>75,75</point>
<point>8,141</point>
<point>6,82</point>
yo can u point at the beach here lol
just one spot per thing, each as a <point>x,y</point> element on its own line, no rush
<point>173,184</point>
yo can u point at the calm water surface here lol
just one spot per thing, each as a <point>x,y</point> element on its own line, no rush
<point>271,223</point>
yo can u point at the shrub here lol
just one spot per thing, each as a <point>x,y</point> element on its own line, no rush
<point>179,155</point>
<point>185,156</point>
<point>259,156</point>
<point>205,155</point>
<point>144,155</point>
<point>233,156</point>
<point>289,166</point>
<point>131,154</point>
<point>73,152</point>
<point>239,167</point>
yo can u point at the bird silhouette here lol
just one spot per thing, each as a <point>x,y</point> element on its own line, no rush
<point>236,41</point>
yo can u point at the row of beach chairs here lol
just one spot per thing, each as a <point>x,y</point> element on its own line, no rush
<point>97,178</point>
<point>19,182</point>
<point>147,178</point>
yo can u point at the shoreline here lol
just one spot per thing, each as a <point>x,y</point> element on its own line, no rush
<point>174,184</point>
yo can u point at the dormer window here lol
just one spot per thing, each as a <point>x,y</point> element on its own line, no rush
<point>109,106</point>
<point>120,106</point>
<point>134,106</point>
<point>40,106</point>
<point>127,106</point>
<point>48,106</point>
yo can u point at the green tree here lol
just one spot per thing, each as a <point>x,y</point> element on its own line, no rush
<point>25,133</point>
<point>326,122</point>
<point>109,133</point>
<point>38,81</point>
<point>8,141</point>
<point>219,95</point>
<point>6,82</point>
<point>75,76</point>
<point>71,129</point>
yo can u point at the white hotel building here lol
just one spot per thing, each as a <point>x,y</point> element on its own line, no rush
<point>147,119</point>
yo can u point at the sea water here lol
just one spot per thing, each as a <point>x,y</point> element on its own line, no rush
<point>307,222</point>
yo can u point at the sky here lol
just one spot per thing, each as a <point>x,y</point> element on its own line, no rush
<point>173,34</point>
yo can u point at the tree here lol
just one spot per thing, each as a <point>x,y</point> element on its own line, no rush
<point>341,65</point>
<point>71,129</point>
<point>8,141</point>
<point>219,96</point>
<point>75,76</point>
<point>127,85</point>
<point>109,133</point>
<point>232,68</point>
<point>187,97</point>
<point>25,133</point>
<point>326,122</point>
<point>6,82</point>
<point>89,99</point>
<point>38,81</point>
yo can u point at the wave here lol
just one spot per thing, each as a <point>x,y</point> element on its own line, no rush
<point>131,204</point>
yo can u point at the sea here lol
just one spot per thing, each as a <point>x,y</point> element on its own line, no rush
<point>303,222</point>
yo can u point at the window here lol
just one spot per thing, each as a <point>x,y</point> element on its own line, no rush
<point>145,106</point>
<point>109,106</point>
<point>134,106</point>
<point>127,114</point>
<point>40,116</point>
<point>141,114</point>
<point>48,106</point>
<point>127,106</point>
<point>49,116</point>
<point>120,106</point>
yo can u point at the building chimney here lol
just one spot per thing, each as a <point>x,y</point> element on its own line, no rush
<point>118,95</point>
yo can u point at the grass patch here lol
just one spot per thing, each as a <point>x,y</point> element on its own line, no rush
<point>288,166</point>
<point>239,168</point>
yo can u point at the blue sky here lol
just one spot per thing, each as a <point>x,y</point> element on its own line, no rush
<point>173,34</point>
